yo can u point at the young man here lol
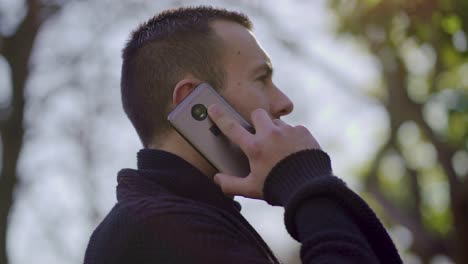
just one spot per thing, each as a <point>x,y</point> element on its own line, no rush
<point>177,208</point>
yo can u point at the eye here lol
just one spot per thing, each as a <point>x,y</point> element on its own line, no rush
<point>262,78</point>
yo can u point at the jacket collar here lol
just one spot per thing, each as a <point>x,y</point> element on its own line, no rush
<point>158,168</point>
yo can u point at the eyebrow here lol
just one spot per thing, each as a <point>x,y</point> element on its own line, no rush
<point>266,66</point>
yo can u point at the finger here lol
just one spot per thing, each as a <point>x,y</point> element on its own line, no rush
<point>228,126</point>
<point>261,120</point>
<point>279,122</point>
<point>232,185</point>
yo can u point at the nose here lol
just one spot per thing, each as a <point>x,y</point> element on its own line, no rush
<point>282,105</point>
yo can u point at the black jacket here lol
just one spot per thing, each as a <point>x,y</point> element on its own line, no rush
<point>169,212</point>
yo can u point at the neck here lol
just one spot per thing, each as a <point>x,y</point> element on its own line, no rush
<point>176,144</point>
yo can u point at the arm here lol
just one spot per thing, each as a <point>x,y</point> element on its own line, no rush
<point>289,169</point>
<point>331,221</point>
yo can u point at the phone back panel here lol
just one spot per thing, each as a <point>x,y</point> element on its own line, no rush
<point>205,137</point>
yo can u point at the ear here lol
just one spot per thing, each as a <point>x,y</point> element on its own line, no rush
<point>183,88</point>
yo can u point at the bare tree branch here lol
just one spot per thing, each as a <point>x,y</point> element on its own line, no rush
<point>17,50</point>
<point>409,110</point>
<point>87,180</point>
<point>444,151</point>
<point>423,242</point>
<point>47,226</point>
<point>1,44</point>
<point>401,108</point>
<point>415,191</point>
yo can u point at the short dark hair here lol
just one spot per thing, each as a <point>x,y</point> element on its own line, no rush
<point>160,52</point>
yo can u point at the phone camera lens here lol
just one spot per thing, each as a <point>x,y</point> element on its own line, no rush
<point>199,112</point>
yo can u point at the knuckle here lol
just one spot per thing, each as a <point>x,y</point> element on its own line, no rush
<point>254,149</point>
<point>254,189</point>
<point>276,132</point>
<point>256,112</point>
<point>229,125</point>
<point>279,123</point>
<point>287,129</point>
<point>253,193</point>
<point>302,129</point>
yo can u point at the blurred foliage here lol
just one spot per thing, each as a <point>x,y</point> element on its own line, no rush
<point>421,48</point>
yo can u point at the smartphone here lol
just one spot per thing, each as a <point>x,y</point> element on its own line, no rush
<point>190,119</point>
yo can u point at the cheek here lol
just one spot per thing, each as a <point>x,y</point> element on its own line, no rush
<point>247,100</point>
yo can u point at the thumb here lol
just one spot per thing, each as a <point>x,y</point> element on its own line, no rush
<point>230,185</point>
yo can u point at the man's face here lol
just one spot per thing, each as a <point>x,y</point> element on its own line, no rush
<point>248,83</point>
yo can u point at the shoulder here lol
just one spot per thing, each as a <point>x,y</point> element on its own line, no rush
<point>142,221</point>
<point>109,242</point>
<point>171,229</point>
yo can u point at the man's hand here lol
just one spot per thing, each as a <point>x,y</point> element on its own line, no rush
<point>273,141</point>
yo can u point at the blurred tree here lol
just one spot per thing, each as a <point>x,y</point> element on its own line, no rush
<point>17,48</point>
<point>423,82</point>
<point>419,176</point>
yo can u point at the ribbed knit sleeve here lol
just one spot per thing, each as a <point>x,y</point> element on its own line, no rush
<point>331,221</point>
<point>302,166</point>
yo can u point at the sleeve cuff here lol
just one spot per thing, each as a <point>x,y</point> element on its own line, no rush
<point>288,175</point>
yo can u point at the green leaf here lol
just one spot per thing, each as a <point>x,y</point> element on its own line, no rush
<point>372,3</point>
<point>451,24</point>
